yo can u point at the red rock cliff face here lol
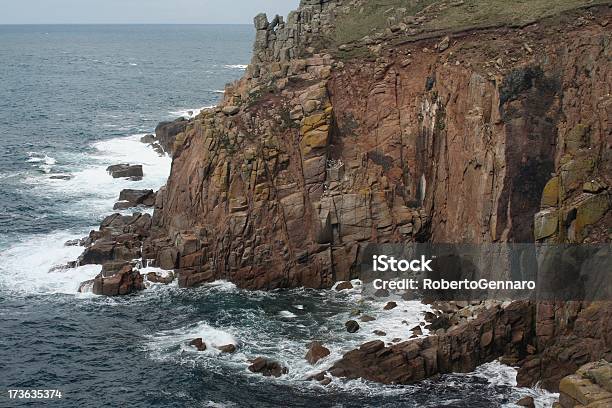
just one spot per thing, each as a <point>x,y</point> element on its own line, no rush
<point>310,158</point>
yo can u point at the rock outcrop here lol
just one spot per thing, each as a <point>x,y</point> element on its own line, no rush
<point>591,386</point>
<point>495,332</point>
<point>118,240</point>
<point>169,135</point>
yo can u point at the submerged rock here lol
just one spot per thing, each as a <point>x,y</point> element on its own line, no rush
<point>229,348</point>
<point>344,286</point>
<point>352,326</point>
<point>198,344</point>
<point>316,352</point>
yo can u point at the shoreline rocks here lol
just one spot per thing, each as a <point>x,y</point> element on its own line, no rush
<point>124,282</point>
<point>494,333</point>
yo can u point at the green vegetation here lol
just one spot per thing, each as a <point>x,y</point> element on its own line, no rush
<point>448,15</point>
<point>483,13</point>
<point>372,17</point>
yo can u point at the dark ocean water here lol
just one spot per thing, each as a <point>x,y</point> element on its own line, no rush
<point>74,100</point>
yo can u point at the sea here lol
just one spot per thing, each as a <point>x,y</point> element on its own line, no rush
<point>75,99</point>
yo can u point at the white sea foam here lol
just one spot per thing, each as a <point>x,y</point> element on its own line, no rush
<point>237,66</point>
<point>42,161</point>
<point>188,113</point>
<point>25,265</point>
<point>35,266</point>
<point>500,374</point>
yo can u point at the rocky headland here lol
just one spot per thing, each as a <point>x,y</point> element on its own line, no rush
<point>430,121</point>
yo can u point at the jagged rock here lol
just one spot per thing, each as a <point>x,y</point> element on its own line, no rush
<point>124,282</point>
<point>167,134</point>
<point>458,350</point>
<point>133,172</point>
<point>379,333</point>
<point>261,21</point>
<point>352,326</point>
<point>390,306</point>
<point>129,198</point>
<point>316,351</point>
<point>198,344</point>
<point>366,318</point>
<point>267,367</point>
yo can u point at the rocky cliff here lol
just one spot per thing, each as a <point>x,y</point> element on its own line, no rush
<point>490,135</point>
<point>424,121</point>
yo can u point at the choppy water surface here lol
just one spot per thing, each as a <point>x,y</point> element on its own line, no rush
<point>77,99</point>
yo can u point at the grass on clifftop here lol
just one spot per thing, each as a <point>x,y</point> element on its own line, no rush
<point>482,13</point>
<point>451,15</point>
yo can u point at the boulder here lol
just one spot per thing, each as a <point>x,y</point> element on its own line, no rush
<point>198,344</point>
<point>390,306</point>
<point>526,402</point>
<point>267,367</point>
<point>230,110</point>
<point>129,198</point>
<point>316,351</point>
<point>228,348</point>
<point>124,282</point>
<point>344,286</point>
<point>367,318</point>
<point>125,170</point>
<point>352,326</point>
<point>97,254</point>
